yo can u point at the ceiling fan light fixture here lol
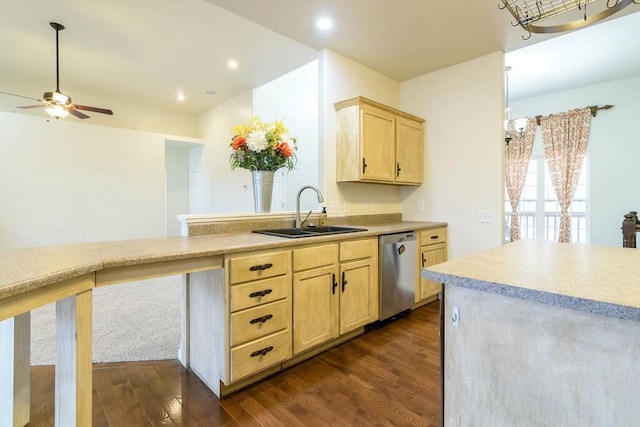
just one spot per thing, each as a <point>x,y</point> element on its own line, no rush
<point>60,98</point>
<point>57,111</point>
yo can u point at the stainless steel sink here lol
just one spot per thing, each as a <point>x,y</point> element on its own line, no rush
<point>294,233</point>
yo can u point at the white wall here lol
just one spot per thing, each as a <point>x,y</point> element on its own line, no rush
<point>340,79</point>
<point>613,151</point>
<point>125,115</point>
<point>294,99</point>
<point>463,157</point>
<point>225,190</point>
<point>177,186</point>
<point>64,182</point>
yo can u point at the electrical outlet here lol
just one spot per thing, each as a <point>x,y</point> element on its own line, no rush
<point>420,206</point>
<point>334,207</point>
<point>485,217</point>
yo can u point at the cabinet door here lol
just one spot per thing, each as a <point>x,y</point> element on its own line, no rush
<point>431,255</point>
<point>408,151</point>
<point>358,294</point>
<point>316,300</point>
<point>377,144</point>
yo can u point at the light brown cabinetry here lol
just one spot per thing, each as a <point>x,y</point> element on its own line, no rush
<point>433,250</point>
<point>267,309</point>
<point>259,327</point>
<point>335,291</point>
<point>378,144</point>
<point>358,284</point>
<point>240,317</point>
<point>315,297</point>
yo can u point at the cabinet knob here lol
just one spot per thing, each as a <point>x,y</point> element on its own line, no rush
<point>261,352</point>
<point>260,294</point>
<point>261,319</point>
<point>260,267</point>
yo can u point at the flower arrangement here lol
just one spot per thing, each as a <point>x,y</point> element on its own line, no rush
<point>262,146</point>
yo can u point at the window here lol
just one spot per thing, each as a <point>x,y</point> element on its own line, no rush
<point>539,208</point>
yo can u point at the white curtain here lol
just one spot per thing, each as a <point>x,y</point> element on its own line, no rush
<point>516,162</point>
<point>565,138</point>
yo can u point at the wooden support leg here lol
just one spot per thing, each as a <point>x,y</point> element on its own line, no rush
<point>183,353</point>
<point>73,361</point>
<point>15,370</point>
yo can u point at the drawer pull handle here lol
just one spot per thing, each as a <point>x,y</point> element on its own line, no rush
<point>344,281</point>
<point>260,267</point>
<point>261,319</point>
<point>260,294</point>
<point>423,260</point>
<point>435,237</point>
<point>364,165</point>
<point>335,284</point>
<point>398,169</point>
<point>262,352</point>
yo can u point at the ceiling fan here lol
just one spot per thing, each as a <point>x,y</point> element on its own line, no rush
<point>56,103</point>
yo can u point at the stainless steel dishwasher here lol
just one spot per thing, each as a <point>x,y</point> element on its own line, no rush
<point>397,264</point>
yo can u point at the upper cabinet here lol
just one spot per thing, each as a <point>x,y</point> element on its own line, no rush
<point>378,144</point>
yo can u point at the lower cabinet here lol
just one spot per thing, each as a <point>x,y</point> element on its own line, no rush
<point>315,296</point>
<point>359,293</point>
<point>335,291</point>
<point>433,250</point>
<point>267,307</point>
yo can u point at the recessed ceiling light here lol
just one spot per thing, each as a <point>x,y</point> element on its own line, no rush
<point>324,23</point>
<point>233,64</point>
<point>180,96</point>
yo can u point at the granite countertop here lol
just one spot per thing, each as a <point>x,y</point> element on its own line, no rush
<point>600,280</point>
<point>24,270</point>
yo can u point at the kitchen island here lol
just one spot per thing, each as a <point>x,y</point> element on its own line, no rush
<point>66,275</point>
<point>541,333</point>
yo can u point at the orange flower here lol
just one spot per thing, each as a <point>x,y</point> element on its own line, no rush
<point>238,142</point>
<point>284,149</point>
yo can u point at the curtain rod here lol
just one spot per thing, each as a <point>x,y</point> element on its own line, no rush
<point>594,111</point>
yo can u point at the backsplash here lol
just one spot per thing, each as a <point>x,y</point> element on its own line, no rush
<point>206,225</point>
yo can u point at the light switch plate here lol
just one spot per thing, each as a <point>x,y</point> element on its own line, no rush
<point>485,217</point>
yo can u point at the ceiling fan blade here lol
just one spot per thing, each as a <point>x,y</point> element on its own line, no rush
<point>31,106</point>
<point>77,113</point>
<point>94,109</point>
<point>21,96</point>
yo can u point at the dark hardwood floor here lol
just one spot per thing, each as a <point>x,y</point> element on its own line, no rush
<point>388,376</point>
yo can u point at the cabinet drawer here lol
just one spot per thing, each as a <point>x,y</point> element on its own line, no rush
<point>260,354</point>
<point>259,321</point>
<point>315,256</point>
<point>357,249</point>
<point>259,292</point>
<point>259,266</point>
<point>435,235</point>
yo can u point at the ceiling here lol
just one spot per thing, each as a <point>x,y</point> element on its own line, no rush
<point>146,51</point>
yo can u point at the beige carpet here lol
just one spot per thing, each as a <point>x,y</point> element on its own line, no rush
<point>131,321</point>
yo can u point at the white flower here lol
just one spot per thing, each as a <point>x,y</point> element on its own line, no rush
<point>256,141</point>
<point>284,138</point>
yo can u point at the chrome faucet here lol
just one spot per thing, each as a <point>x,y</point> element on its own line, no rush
<point>320,200</point>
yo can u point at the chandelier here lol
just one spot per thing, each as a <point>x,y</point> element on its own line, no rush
<point>512,128</point>
<point>555,16</point>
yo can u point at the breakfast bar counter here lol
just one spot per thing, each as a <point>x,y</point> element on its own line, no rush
<point>66,275</point>
<point>541,333</point>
